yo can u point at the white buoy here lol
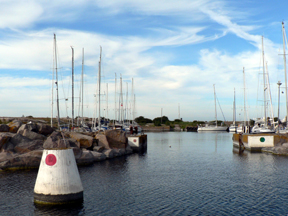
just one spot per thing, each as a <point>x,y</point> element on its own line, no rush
<point>58,180</point>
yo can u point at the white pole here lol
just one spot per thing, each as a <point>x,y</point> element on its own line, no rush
<point>264,83</point>
<point>285,72</point>
<point>82,82</point>
<point>215,104</point>
<point>115,100</point>
<point>99,81</point>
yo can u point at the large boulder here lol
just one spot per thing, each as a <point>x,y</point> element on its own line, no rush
<point>128,150</point>
<point>32,126</point>
<point>4,156</point>
<point>44,129</point>
<point>75,146</point>
<point>18,138</point>
<point>98,148</point>
<point>26,147</point>
<point>22,128</point>
<point>20,144</point>
<point>4,128</point>
<point>102,141</point>
<point>98,156</point>
<point>55,140</point>
<point>23,161</point>
<point>120,152</point>
<point>110,153</point>
<point>8,147</point>
<point>14,126</point>
<point>116,138</point>
<point>33,135</point>
<point>86,158</point>
<point>84,140</point>
<point>5,138</point>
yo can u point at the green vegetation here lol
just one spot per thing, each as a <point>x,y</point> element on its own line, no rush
<point>159,121</point>
<point>165,121</point>
<point>142,121</point>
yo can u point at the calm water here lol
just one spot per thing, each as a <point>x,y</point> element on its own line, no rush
<point>181,174</point>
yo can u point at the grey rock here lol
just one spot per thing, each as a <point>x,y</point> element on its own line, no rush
<point>22,128</point>
<point>26,147</point>
<point>86,158</point>
<point>55,140</point>
<point>84,140</point>
<point>98,148</point>
<point>18,138</point>
<point>33,135</point>
<point>44,129</point>
<point>129,150</point>
<point>32,126</point>
<point>14,126</point>
<point>29,160</point>
<point>116,138</point>
<point>4,128</point>
<point>5,138</point>
<point>8,147</point>
<point>102,141</point>
<point>98,156</point>
<point>110,153</point>
<point>120,152</point>
<point>77,152</point>
<point>4,156</point>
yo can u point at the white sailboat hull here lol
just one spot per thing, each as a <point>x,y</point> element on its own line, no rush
<point>212,128</point>
<point>233,128</point>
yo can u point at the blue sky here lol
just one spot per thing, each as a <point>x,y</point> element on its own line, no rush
<point>174,50</point>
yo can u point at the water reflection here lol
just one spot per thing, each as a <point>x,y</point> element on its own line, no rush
<point>201,174</point>
<point>69,209</point>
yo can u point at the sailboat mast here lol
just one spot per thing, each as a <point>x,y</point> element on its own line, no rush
<point>179,111</point>
<point>234,109</point>
<point>121,100</point>
<point>115,99</point>
<point>82,81</point>
<point>284,56</point>
<point>133,102</point>
<point>72,87</point>
<point>244,98</point>
<point>107,101</point>
<point>264,83</point>
<point>99,82</point>
<point>269,93</point>
<point>215,104</point>
<point>57,93</point>
<point>126,106</point>
<point>52,102</point>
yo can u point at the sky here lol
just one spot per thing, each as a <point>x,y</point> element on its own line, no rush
<point>175,51</point>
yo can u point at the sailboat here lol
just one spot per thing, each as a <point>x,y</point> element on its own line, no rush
<point>213,127</point>
<point>233,127</point>
<point>284,130</point>
<point>56,83</point>
<point>262,125</point>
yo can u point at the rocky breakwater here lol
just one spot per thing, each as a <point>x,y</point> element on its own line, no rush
<point>281,148</point>
<point>21,145</point>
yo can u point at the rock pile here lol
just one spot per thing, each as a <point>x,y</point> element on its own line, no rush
<point>21,145</point>
<point>280,149</point>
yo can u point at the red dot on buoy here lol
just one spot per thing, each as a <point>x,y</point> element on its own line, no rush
<point>50,160</point>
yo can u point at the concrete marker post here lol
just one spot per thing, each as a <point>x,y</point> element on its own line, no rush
<point>58,180</point>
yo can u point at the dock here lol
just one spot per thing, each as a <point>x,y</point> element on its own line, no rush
<point>138,143</point>
<point>256,142</point>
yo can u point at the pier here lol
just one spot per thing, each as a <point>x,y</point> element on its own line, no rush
<point>261,142</point>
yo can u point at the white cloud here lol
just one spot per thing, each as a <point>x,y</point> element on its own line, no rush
<point>19,14</point>
<point>161,82</point>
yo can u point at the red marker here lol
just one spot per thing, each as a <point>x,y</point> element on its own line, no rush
<point>50,160</point>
